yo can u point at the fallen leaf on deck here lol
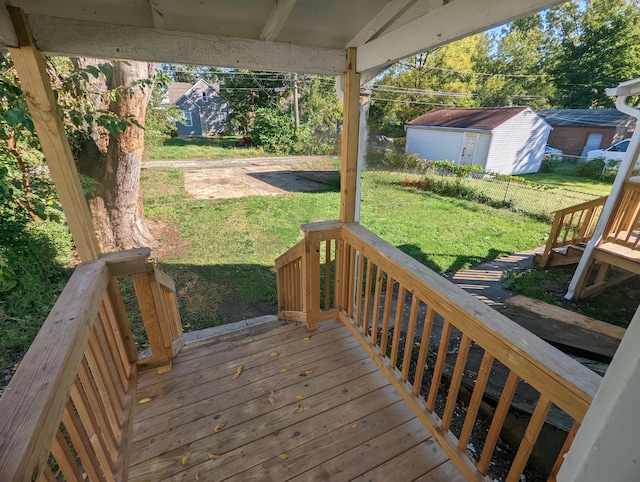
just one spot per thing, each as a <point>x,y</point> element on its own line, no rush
<point>272,400</point>
<point>84,476</point>
<point>214,457</point>
<point>145,400</point>
<point>300,408</point>
<point>299,397</point>
<point>186,457</point>
<point>198,476</point>
<point>306,373</point>
<point>238,372</point>
<point>284,370</point>
<point>274,353</point>
<point>219,427</point>
<point>355,425</point>
<point>307,338</point>
<point>283,456</point>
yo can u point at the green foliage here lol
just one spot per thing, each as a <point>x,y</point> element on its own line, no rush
<point>394,160</point>
<point>591,169</point>
<point>548,165</point>
<point>274,130</point>
<point>160,119</point>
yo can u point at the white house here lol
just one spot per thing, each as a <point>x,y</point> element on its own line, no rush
<point>505,140</point>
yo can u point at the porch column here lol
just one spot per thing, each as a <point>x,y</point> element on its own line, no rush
<point>36,87</point>
<point>349,141</point>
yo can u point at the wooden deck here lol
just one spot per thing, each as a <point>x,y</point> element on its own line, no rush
<point>305,406</point>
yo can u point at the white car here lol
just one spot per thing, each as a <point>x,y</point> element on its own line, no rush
<point>613,153</point>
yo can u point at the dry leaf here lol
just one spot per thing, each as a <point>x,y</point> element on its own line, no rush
<point>275,353</point>
<point>306,373</point>
<point>238,372</point>
<point>284,370</point>
<point>300,408</point>
<point>299,397</point>
<point>213,457</point>
<point>307,338</point>
<point>283,456</point>
<point>84,476</point>
<point>219,427</point>
<point>355,425</point>
<point>145,400</point>
<point>272,400</point>
<point>186,457</point>
<point>198,476</point>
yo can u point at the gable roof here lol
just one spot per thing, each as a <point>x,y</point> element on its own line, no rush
<point>473,118</point>
<point>586,117</point>
<point>175,90</point>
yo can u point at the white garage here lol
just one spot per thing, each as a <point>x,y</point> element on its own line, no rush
<point>504,140</point>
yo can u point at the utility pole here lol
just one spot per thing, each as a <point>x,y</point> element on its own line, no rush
<point>296,113</point>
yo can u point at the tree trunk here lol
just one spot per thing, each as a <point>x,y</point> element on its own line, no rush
<point>116,204</point>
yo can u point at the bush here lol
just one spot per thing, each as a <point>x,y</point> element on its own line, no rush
<point>274,130</point>
<point>548,165</point>
<point>591,169</point>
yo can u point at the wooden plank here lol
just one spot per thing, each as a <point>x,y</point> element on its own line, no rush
<point>438,369</point>
<point>354,257</point>
<point>122,321</point>
<point>409,339</point>
<point>397,326</point>
<point>33,402</point>
<point>40,98</point>
<point>292,315</point>
<point>65,459</point>
<point>358,290</point>
<point>386,315</point>
<point>476,398</point>
<point>74,427</point>
<point>456,380</point>
<point>447,472</point>
<point>327,275</point>
<point>256,418</point>
<point>121,467</point>
<point>367,298</point>
<point>294,253</point>
<point>425,339</point>
<point>128,262</point>
<point>376,305</point>
<point>116,352</point>
<point>349,139</point>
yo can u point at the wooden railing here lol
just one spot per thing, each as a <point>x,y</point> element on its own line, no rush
<point>68,407</point>
<point>624,227</point>
<point>404,314</point>
<point>573,225</point>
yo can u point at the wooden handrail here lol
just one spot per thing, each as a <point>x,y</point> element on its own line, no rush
<point>624,227</point>
<point>81,371</point>
<point>373,279</point>
<point>572,225</point>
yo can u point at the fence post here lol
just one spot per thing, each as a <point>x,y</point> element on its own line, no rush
<point>506,192</point>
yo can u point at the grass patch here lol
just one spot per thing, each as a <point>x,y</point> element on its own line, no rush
<point>222,147</point>
<point>615,305</point>
<point>565,177</point>
<point>225,271</point>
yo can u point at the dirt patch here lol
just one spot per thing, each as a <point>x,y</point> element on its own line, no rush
<point>170,242</point>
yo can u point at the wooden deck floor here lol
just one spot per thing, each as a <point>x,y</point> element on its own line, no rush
<point>305,406</point>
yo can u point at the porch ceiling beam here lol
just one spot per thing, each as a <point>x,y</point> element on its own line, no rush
<point>156,14</point>
<point>110,41</point>
<point>388,13</point>
<point>36,86</point>
<point>277,19</point>
<point>452,21</point>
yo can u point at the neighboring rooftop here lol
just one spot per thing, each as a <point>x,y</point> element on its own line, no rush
<point>178,89</point>
<point>473,118</point>
<point>586,117</point>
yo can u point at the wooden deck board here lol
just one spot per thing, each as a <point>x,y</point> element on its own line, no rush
<point>334,416</point>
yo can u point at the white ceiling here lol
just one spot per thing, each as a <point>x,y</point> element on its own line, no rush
<point>306,36</point>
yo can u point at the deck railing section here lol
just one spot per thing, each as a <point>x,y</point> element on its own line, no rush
<point>435,342</point>
<point>68,407</point>
<point>624,227</point>
<point>573,225</point>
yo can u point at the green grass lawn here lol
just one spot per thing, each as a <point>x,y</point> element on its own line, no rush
<point>225,264</point>
<point>222,147</point>
<point>564,176</point>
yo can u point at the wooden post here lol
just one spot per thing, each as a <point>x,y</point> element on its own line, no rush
<point>349,141</point>
<point>37,91</point>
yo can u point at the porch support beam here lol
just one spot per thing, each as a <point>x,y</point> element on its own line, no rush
<point>349,140</point>
<point>278,17</point>
<point>36,86</point>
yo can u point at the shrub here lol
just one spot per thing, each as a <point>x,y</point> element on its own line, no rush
<point>591,169</point>
<point>548,165</point>
<point>274,130</point>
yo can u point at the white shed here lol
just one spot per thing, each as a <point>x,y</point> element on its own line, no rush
<point>505,140</point>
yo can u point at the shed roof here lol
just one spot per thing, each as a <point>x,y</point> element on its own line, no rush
<point>586,117</point>
<point>305,36</point>
<point>473,118</point>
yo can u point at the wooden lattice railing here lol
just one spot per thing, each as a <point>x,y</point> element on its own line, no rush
<point>435,342</point>
<point>624,227</point>
<point>573,225</point>
<point>68,407</point>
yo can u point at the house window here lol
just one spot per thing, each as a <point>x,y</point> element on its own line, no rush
<point>186,119</point>
<point>205,97</point>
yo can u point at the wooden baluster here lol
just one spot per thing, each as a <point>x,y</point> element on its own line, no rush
<point>92,421</point>
<point>376,305</point>
<point>397,326</point>
<point>351,280</point>
<point>102,371</point>
<point>498,420</point>
<point>388,301</point>
<point>109,353</point>
<point>65,459</point>
<point>476,399</point>
<point>425,340</point>
<point>529,439</point>
<point>439,367</point>
<point>81,443</point>
<point>327,274</point>
<point>151,320</point>
<point>281,289</point>
<point>338,288</point>
<point>47,475</point>
<point>98,410</point>
<point>563,451</point>
<point>456,380</point>
<point>346,261</point>
<point>114,338</point>
<point>408,343</point>
<point>567,227</point>
<point>361,262</point>
<point>367,298</point>
<point>124,333</point>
